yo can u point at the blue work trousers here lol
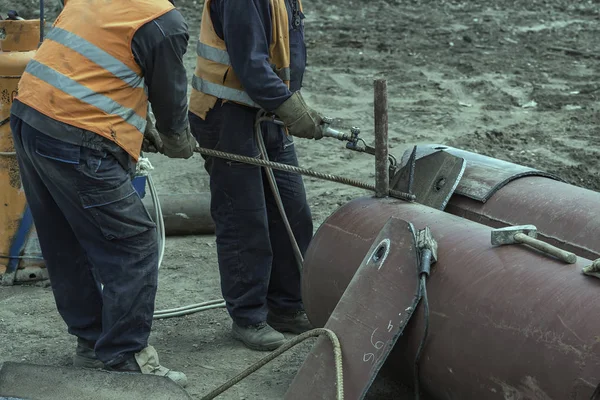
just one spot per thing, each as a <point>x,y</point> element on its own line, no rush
<point>92,228</point>
<point>256,261</point>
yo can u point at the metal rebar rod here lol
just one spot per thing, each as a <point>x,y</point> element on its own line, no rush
<point>382,173</point>
<point>298,170</point>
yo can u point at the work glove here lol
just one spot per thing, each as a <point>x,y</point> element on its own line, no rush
<point>179,146</point>
<point>300,120</point>
<point>152,142</point>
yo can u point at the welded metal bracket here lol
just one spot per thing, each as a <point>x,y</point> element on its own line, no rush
<point>483,175</point>
<point>432,178</point>
<point>368,320</point>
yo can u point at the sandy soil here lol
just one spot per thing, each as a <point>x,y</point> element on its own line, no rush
<point>512,79</point>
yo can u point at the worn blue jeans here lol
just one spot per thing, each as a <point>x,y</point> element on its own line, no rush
<point>256,260</point>
<point>92,228</point>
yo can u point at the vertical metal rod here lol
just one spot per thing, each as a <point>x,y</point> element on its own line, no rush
<point>382,178</point>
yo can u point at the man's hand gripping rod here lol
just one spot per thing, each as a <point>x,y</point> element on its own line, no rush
<point>352,137</point>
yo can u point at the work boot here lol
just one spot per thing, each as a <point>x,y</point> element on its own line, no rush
<point>295,322</point>
<point>146,362</point>
<point>259,337</point>
<point>85,356</point>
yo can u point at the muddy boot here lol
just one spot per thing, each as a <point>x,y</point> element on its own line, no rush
<point>146,362</point>
<point>259,337</point>
<point>295,322</point>
<point>85,356</point>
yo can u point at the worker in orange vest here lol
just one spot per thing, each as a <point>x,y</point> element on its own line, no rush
<point>252,56</point>
<point>78,125</point>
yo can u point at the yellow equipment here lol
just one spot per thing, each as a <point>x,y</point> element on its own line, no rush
<point>19,249</point>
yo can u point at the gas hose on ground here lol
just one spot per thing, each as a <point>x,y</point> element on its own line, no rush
<point>275,189</point>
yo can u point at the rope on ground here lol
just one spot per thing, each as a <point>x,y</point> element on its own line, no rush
<point>299,170</point>
<point>7,153</point>
<point>337,350</point>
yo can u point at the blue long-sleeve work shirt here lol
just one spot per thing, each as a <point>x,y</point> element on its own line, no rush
<point>246,27</point>
<point>158,48</point>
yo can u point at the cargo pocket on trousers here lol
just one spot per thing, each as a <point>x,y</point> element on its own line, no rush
<point>117,211</point>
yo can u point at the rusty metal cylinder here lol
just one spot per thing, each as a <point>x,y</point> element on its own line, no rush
<point>499,193</point>
<point>19,248</point>
<point>566,216</point>
<point>184,214</point>
<point>506,322</point>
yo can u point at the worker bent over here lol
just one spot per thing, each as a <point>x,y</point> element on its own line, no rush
<point>78,124</point>
<point>251,56</point>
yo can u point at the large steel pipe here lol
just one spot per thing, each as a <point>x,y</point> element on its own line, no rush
<point>506,322</point>
<point>565,215</point>
<point>184,214</point>
<point>498,193</point>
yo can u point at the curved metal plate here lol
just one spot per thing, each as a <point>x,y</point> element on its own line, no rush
<point>498,314</point>
<point>483,175</point>
<point>368,320</point>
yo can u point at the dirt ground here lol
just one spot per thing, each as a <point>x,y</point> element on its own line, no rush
<point>517,80</point>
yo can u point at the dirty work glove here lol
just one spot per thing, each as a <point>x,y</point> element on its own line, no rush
<point>152,142</point>
<point>179,146</point>
<point>301,120</point>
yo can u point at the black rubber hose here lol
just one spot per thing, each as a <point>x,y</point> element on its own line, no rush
<point>424,274</point>
<point>417,382</point>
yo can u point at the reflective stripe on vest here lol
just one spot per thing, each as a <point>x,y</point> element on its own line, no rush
<point>212,53</point>
<point>84,94</point>
<point>222,57</point>
<point>96,55</point>
<point>222,92</point>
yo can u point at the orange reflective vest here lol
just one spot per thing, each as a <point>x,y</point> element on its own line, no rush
<point>214,77</point>
<point>85,74</point>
